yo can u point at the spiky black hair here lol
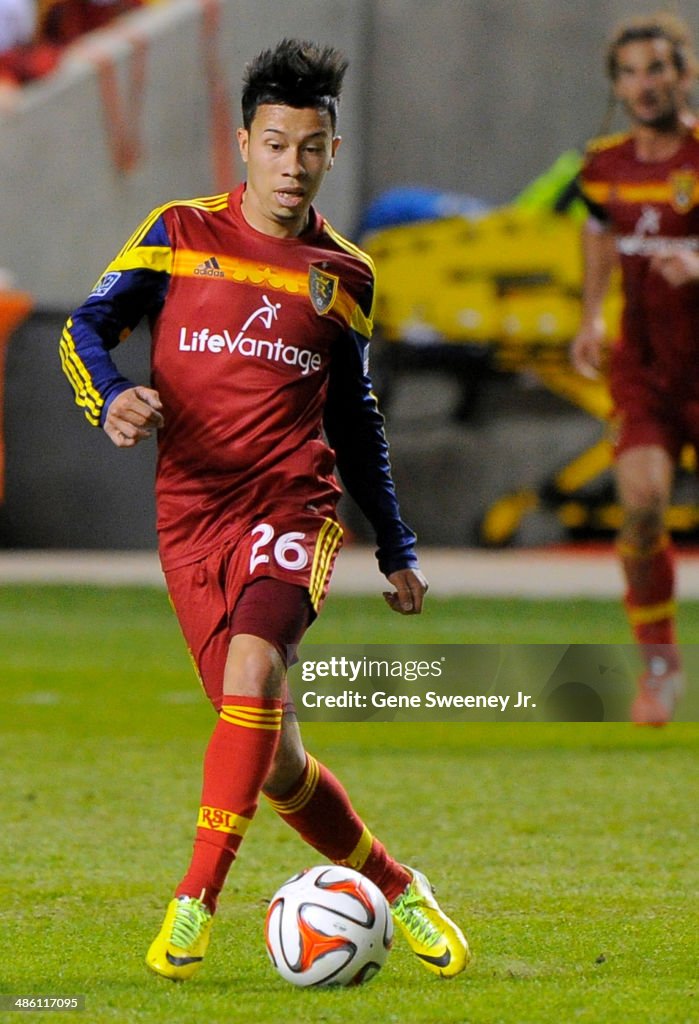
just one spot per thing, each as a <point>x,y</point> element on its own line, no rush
<point>296,73</point>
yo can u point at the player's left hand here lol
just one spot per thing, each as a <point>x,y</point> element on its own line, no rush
<point>411,587</point>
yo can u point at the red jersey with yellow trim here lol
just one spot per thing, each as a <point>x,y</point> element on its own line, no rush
<point>258,343</point>
<point>651,207</point>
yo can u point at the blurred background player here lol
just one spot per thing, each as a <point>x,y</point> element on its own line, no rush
<point>260,316</point>
<point>34,35</point>
<point>642,189</point>
<point>63,21</point>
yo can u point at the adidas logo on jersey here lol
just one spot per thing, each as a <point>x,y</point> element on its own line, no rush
<point>209,268</point>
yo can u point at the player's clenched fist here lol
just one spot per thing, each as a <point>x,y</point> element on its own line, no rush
<point>133,416</point>
<point>411,587</point>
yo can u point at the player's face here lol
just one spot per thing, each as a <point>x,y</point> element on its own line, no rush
<point>287,152</point>
<point>649,85</point>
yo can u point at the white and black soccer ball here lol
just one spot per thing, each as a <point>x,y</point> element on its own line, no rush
<point>328,926</point>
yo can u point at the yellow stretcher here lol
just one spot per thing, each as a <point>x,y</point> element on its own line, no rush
<point>507,283</point>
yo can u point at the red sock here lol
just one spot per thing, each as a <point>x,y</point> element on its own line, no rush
<point>649,600</point>
<point>318,808</point>
<point>236,764</point>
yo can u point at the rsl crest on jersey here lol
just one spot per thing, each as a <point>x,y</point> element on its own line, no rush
<point>322,288</point>
<point>684,186</point>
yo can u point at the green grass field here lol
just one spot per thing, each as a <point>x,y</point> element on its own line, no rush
<point>567,851</point>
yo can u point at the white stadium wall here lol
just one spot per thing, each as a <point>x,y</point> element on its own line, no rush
<point>67,206</point>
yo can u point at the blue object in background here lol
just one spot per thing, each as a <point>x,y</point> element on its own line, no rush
<point>406,204</point>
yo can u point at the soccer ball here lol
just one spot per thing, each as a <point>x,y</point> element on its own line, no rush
<point>328,926</point>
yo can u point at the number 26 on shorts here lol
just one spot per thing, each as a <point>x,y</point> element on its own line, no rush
<point>286,551</point>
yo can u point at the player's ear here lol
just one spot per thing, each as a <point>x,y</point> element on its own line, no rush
<point>337,140</point>
<point>243,143</point>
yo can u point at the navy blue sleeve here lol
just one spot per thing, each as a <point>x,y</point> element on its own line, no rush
<point>134,285</point>
<point>355,429</point>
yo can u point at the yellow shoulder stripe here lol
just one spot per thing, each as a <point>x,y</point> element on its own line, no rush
<point>143,257</point>
<point>358,320</point>
<point>603,142</point>
<point>212,204</point>
<point>350,247</point>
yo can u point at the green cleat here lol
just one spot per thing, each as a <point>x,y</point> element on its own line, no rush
<point>179,948</point>
<point>435,940</point>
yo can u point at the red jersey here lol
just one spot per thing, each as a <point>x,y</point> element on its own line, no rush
<point>258,343</point>
<point>651,207</point>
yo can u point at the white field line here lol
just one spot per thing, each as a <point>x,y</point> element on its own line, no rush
<point>514,573</point>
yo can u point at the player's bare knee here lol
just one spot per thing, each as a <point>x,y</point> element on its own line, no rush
<point>254,668</point>
<point>644,525</point>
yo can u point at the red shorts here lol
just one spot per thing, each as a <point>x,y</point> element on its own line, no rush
<point>655,422</point>
<point>645,414</point>
<point>270,584</point>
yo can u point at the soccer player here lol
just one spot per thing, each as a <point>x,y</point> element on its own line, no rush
<point>260,316</point>
<point>642,189</point>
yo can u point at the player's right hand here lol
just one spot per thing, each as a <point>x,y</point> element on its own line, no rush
<point>586,349</point>
<point>133,416</point>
